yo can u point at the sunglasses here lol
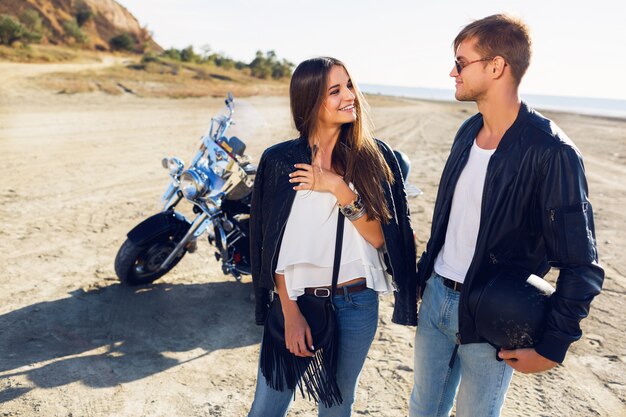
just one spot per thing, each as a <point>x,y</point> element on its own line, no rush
<point>459,66</point>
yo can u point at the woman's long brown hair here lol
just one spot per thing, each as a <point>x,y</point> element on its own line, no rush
<point>356,155</point>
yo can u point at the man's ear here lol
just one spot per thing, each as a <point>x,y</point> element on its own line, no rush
<point>497,66</point>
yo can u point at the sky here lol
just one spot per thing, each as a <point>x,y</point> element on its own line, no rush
<point>578,46</point>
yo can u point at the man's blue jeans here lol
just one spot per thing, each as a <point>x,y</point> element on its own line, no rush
<point>483,380</point>
<point>357,315</point>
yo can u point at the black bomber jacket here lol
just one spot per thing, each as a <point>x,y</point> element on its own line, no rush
<point>272,198</point>
<point>535,215</point>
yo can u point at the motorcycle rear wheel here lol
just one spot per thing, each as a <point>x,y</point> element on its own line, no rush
<point>139,264</point>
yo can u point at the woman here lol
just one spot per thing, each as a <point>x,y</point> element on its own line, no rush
<point>300,184</point>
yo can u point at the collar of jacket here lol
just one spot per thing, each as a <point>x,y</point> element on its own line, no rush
<point>510,136</point>
<point>304,149</point>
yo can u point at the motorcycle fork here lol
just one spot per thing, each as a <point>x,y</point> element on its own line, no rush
<point>171,198</point>
<point>191,233</point>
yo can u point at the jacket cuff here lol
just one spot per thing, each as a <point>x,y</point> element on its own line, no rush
<point>262,303</point>
<point>404,311</point>
<point>552,348</point>
<point>403,320</point>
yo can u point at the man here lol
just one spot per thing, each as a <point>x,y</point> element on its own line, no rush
<point>513,193</point>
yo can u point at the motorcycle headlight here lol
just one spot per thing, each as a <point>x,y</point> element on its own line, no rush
<point>192,184</point>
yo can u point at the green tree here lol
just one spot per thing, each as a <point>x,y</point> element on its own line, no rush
<point>188,55</point>
<point>267,65</point>
<point>259,66</point>
<point>281,69</point>
<point>33,24</point>
<point>10,30</point>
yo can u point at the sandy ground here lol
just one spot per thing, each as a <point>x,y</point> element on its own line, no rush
<point>80,171</point>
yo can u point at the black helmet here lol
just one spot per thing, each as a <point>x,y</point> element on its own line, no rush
<point>510,309</point>
<point>404,162</point>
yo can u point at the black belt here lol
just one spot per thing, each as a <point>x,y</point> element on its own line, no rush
<point>454,285</point>
<point>325,291</point>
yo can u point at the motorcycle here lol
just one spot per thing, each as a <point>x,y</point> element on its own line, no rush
<point>218,183</point>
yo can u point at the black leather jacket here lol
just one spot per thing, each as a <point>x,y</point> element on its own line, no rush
<point>535,215</point>
<point>272,199</point>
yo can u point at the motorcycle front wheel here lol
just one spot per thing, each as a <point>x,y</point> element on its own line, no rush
<point>140,264</point>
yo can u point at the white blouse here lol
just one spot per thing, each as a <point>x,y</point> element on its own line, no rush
<point>307,250</point>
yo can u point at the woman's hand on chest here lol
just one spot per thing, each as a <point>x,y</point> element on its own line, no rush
<point>314,177</point>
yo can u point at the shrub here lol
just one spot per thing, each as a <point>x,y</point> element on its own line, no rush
<point>172,53</point>
<point>83,13</point>
<point>123,42</point>
<point>149,57</point>
<point>224,62</point>
<point>210,59</point>
<point>10,30</point>
<point>34,25</point>
<point>261,71</point>
<point>72,29</point>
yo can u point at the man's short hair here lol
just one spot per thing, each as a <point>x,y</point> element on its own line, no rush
<point>500,35</point>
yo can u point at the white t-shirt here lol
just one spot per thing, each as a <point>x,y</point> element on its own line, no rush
<point>457,252</point>
<point>307,251</point>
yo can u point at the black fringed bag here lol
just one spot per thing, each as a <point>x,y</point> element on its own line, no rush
<point>316,375</point>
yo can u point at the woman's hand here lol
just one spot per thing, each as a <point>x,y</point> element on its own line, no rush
<point>314,177</point>
<point>298,338</point>
<point>297,332</point>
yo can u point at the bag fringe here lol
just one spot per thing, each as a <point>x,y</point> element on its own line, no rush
<point>317,375</point>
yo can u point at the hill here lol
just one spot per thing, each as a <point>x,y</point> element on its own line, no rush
<point>84,31</point>
<point>94,24</point>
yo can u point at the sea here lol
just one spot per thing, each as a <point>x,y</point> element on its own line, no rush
<point>579,105</point>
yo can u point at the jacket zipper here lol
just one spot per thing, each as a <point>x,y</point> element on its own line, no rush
<point>280,239</point>
<point>552,216</point>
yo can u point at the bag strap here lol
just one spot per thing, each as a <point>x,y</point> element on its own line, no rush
<point>338,244</point>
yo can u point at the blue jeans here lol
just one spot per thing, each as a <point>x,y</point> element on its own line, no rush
<point>357,316</point>
<point>483,380</point>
